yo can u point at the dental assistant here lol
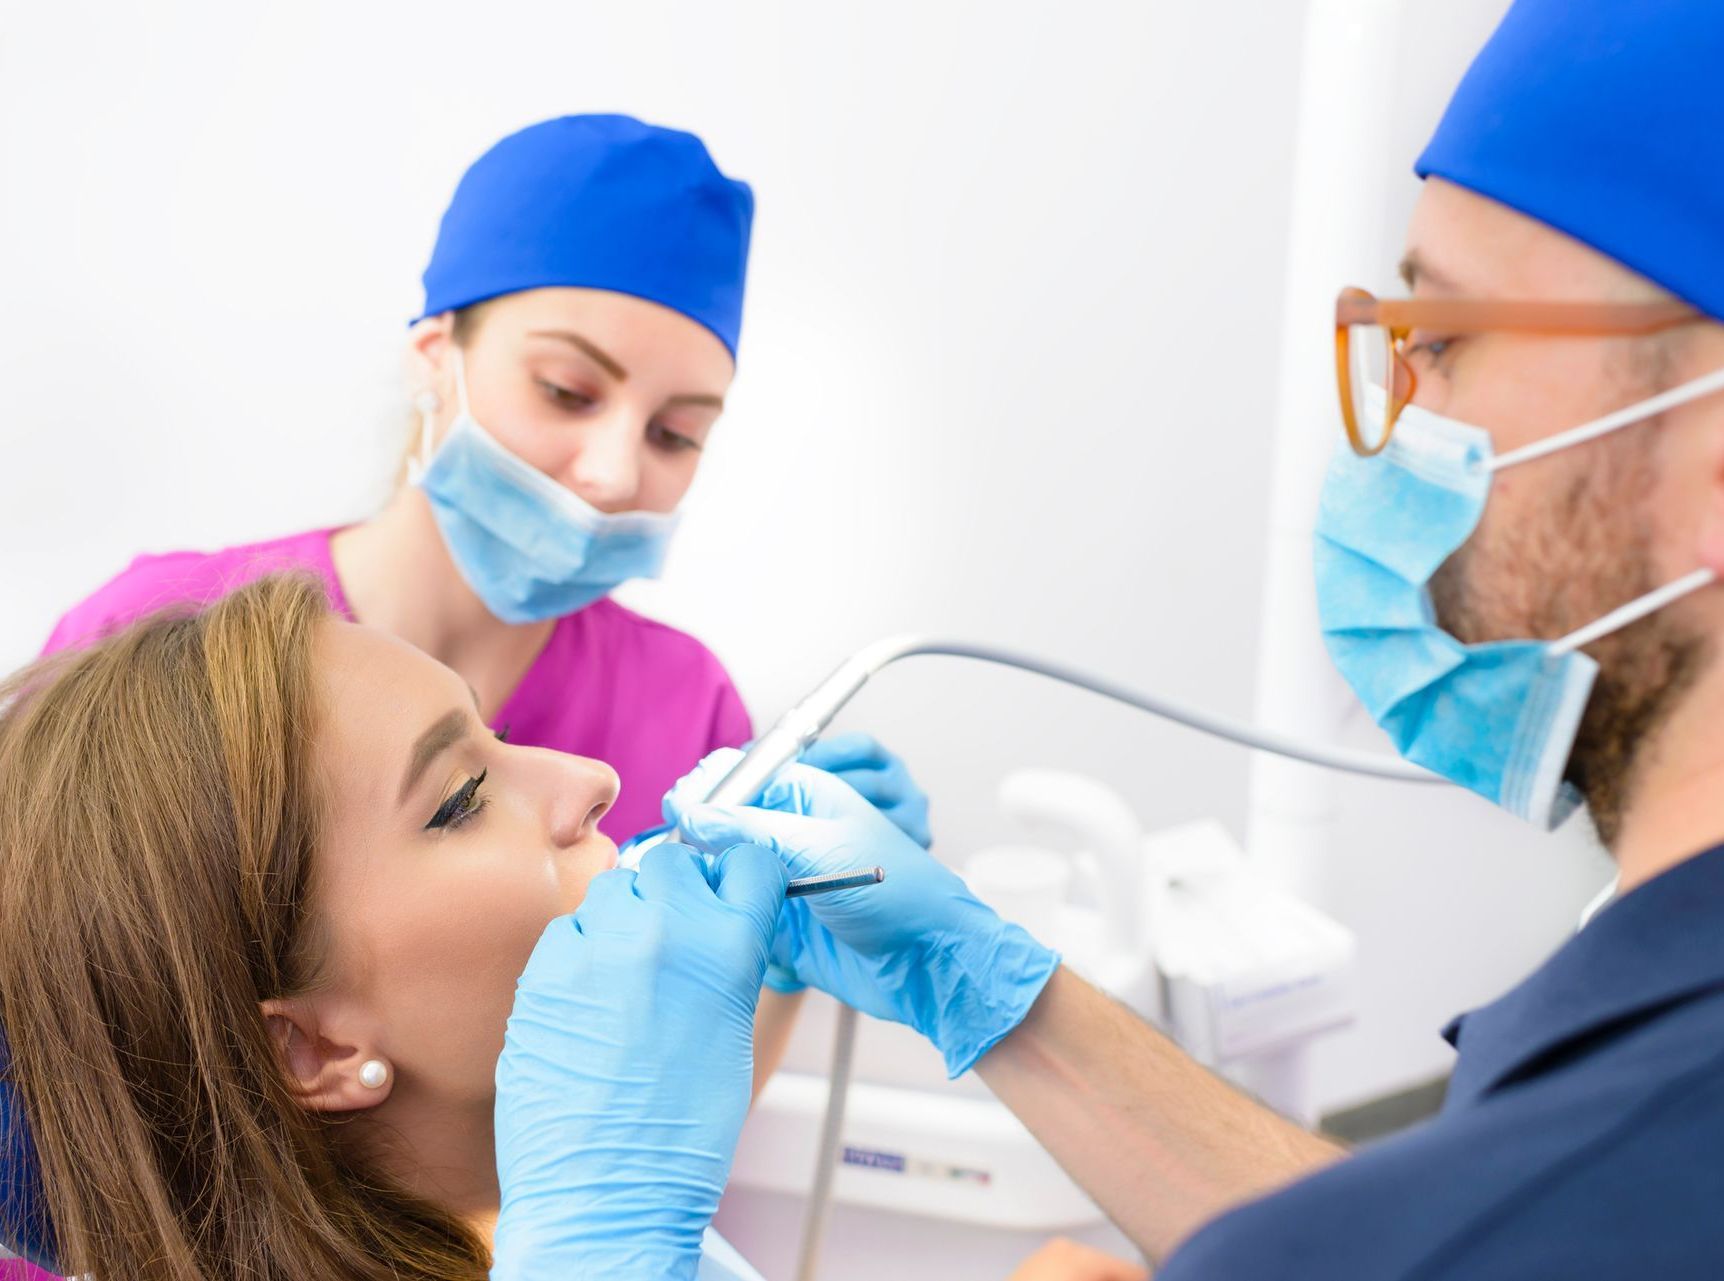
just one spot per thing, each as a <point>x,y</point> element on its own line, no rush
<point>1517,556</point>
<point>578,336</point>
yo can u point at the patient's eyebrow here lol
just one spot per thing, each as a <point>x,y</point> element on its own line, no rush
<point>445,732</point>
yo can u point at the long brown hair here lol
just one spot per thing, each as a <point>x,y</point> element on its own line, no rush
<point>159,820</point>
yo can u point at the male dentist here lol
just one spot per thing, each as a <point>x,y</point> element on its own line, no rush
<point>1515,561</point>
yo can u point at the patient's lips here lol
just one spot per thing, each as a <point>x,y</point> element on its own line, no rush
<point>595,856</point>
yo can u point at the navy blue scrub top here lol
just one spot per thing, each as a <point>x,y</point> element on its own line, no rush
<point>1582,1136</point>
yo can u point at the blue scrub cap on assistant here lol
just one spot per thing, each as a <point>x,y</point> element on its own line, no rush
<point>602,202</point>
<point>1602,119</point>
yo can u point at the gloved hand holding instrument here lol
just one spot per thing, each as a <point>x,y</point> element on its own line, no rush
<point>918,948</point>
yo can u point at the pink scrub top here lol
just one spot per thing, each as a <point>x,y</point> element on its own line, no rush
<point>648,700</point>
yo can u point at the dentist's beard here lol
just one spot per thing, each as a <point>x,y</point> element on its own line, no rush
<point>1591,553</point>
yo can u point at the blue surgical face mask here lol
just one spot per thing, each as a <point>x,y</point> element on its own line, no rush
<point>530,548</point>
<point>1498,718</point>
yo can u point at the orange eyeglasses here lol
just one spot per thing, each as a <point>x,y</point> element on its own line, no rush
<point>1371,338</point>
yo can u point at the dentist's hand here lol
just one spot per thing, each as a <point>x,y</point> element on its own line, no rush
<point>918,949</point>
<point>627,1067</point>
<point>879,777</point>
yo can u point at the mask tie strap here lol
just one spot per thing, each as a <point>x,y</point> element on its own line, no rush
<point>1634,611</point>
<point>427,403</point>
<point>461,382</point>
<point>1705,385</point>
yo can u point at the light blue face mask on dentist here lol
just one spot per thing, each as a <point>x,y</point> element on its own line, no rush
<point>528,547</point>
<point>1499,718</point>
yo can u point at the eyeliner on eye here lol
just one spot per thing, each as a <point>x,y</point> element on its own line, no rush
<point>458,806</point>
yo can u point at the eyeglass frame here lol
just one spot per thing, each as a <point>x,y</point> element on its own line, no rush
<point>1400,317</point>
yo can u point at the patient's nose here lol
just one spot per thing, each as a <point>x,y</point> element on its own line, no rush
<point>582,791</point>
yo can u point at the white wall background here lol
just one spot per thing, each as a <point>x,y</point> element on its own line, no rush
<point>1008,369</point>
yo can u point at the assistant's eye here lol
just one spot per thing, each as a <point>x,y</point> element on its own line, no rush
<point>672,442</point>
<point>566,397</point>
<point>460,807</point>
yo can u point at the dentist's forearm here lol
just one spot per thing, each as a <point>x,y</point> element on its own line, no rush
<point>1160,1142</point>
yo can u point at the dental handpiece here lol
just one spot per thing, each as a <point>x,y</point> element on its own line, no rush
<point>748,778</point>
<point>771,752</point>
<point>798,728</point>
<point>804,723</point>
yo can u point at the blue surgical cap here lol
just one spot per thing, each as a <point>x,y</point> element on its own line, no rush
<point>1603,119</point>
<point>602,202</point>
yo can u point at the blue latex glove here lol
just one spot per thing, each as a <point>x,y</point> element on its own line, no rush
<point>918,949</point>
<point>627,1068</point>
<point>881,779</point>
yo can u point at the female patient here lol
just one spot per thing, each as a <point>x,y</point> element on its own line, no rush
<point>280,879</point>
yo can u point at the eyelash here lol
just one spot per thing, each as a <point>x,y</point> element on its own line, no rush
<point>566,398</point>
<point>460,807</point>
<point>672,441</point>
<point>1433,349</point>
<point>662,437</point>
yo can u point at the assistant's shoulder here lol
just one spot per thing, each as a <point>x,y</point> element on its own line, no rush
<point>156,580</point>
<point>676,670</point>
<point>668,649</point>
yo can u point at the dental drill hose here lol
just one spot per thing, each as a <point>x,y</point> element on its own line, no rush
<point>804,723</point>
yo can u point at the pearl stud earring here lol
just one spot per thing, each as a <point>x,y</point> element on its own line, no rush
<point>373,1073</point>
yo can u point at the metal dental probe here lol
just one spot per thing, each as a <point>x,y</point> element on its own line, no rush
<point>803,886</point>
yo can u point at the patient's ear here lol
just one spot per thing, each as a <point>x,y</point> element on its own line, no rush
<point>327,1073</point>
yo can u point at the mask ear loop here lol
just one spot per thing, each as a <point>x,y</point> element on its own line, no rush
<point>1634,611</point>
<point>1653,601</point>
<point>461,382</point>
<point>1694,389</point>
<point>427,403</point>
